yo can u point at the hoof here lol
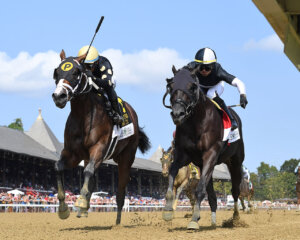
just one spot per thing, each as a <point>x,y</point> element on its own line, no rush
<point>81,202</point>
<point>168,215</point>
<point>193,226</point>
<point>236,216</point>
<point>82,212</point>
<point>64,214</point>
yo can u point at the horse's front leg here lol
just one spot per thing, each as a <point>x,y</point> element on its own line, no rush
<point>178,191</point>
<point>63,210</point>
<point>209,160</point>
<point>242,203</point>
<point>168,210</point>
<point>83,202</point>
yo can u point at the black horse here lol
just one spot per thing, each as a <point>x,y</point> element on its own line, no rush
<point>88,135</point>
<point>199,139</point>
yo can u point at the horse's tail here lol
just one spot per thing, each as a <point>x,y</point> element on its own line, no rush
<point>144,143</point>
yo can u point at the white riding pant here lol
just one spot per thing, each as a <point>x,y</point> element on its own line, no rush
<point>219,88</point>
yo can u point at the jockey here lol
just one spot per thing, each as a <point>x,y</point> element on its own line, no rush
<point>246,176</point>
<point>211,78</point>
<point>100,70</point>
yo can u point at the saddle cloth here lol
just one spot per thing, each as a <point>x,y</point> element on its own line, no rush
<point>229,135</point>
<point>126,130</point>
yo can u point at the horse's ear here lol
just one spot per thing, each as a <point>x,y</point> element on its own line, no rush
<point>62,55</point>
<point>81,58</point>
<point>174,70</point>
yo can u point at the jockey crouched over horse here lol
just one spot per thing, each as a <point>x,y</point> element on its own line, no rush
<point>201,128</point>
<point>91,133</point>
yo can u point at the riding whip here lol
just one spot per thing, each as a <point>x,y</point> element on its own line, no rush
<point>236,105</point>
<point>97,29</point>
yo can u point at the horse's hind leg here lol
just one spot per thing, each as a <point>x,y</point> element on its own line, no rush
<point>124,165</point>
<point>63,210</point>
<point>83,202</point>
<point>212,200</point>
<point>236,177</point>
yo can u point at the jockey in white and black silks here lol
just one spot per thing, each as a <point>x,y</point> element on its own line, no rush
<point>100,70</point>
<point>211,78</point>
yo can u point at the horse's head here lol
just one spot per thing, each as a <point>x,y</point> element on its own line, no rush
<point>184,93</point>
<point>166,160</point>
<point>67,76</point>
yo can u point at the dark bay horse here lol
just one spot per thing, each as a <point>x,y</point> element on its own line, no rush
<point>187,179</point>
<point>88,135</point>
<point>246,192</point>
<point>199,135</point>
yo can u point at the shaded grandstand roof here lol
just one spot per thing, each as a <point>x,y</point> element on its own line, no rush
<point>41,133</point>
<point>221,172</point>
<point>18,142</point>
<point>40,142</point>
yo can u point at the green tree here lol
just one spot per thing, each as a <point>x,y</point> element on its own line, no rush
<point>265,171</point>
<point>17,124</point>
<point>265,181</point>
<point>222,187</point>
<point>289,165</point>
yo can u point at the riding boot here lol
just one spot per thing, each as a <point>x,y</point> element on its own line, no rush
<point>117,116</point>
<point>222,104</point>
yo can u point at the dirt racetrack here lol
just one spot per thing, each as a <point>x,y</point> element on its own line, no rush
<point>261,225</point>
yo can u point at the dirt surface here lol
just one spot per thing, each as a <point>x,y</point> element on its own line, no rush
<point>261,225</point>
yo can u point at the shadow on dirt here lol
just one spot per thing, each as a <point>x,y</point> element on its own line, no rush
<point>88,228</point>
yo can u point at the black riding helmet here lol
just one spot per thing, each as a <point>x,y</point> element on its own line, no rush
<point>206,56</point>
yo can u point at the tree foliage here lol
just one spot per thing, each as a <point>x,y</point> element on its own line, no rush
<point>271,184</point>
<point>289,165</point>
<point>17,124</point>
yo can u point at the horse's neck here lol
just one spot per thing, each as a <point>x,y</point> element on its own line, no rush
<point>86,104</point>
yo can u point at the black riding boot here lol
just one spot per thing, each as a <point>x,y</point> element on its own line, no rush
<point>222,104</point>
<point>113,98</point>
<point>118,119</point>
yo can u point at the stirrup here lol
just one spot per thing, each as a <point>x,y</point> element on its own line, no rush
<point>117,119</point>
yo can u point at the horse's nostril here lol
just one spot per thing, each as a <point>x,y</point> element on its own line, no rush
<point>62,96</point>
<point>181,114</point>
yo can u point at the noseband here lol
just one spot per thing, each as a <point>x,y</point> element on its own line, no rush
<point>88,84</point>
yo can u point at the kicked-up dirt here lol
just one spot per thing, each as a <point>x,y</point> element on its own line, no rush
<point>260,225</point>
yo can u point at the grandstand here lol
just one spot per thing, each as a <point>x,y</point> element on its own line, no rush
<point>27,161</point>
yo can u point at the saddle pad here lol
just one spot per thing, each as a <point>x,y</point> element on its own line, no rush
<point>126,117</point>
<point>229,135</point>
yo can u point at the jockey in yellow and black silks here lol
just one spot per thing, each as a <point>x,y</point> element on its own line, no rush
<point>100,70</point>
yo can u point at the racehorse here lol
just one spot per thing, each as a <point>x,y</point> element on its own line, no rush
<point>187,179</point>
<point>246,192</point>
<point>199,139</point>
<point>298,187</point>
<point>88,135</point>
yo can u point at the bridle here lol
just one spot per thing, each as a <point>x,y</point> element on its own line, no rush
<point>77,90</point>
<point>187,107</point>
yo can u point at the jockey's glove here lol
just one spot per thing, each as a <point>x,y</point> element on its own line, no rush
<point>89,74</point>
<point>243,100</point>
